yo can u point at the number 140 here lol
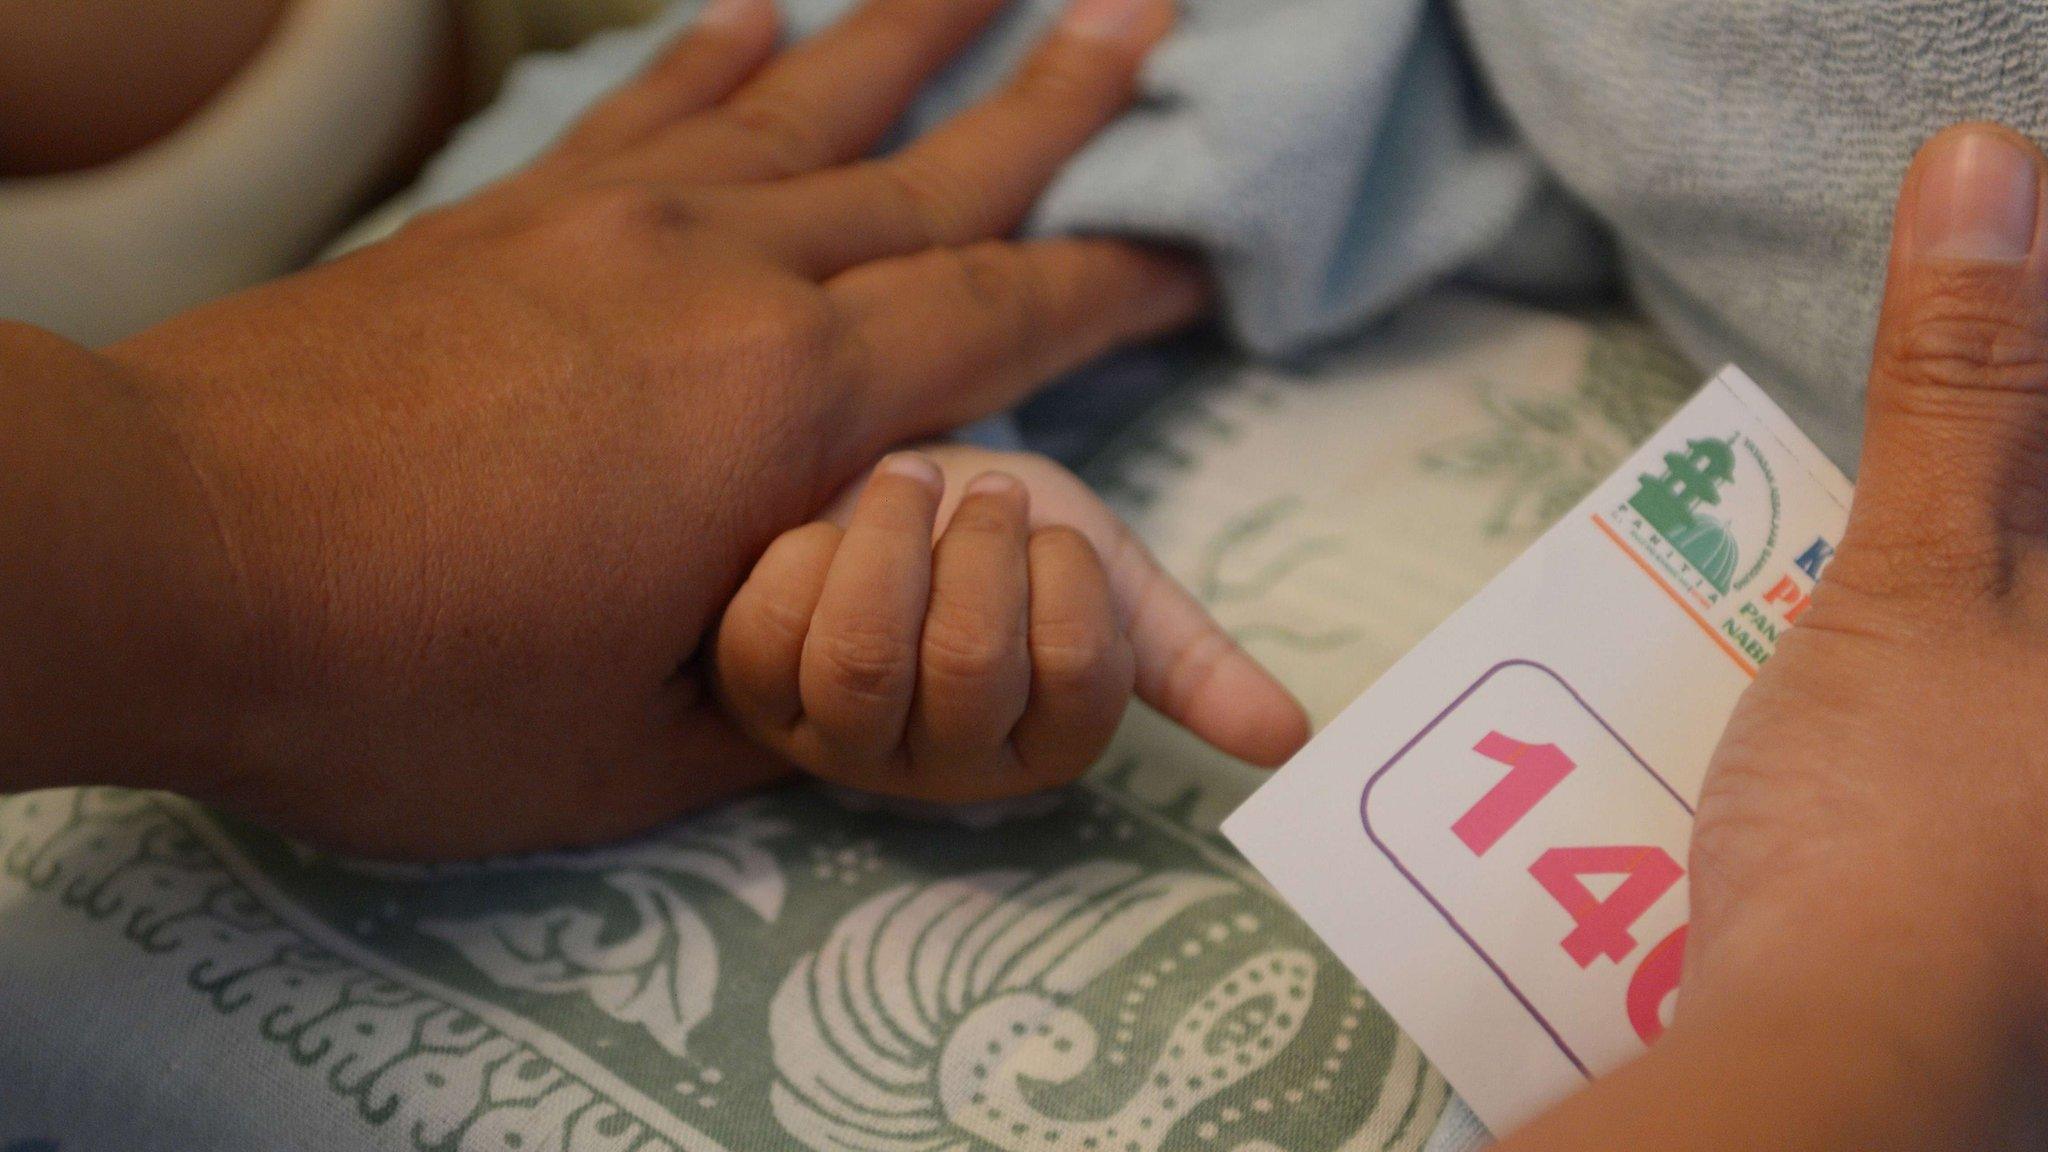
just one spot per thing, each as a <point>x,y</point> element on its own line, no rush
<point>1601,927</point>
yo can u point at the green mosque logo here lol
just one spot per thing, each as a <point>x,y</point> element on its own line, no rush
<point>1671,504</point>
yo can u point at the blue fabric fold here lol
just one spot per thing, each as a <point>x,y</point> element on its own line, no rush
<point>1330,158</point>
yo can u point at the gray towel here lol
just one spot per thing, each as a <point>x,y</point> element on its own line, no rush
<point>1747,152</point>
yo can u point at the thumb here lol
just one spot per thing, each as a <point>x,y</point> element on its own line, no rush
<point>1955,464</point>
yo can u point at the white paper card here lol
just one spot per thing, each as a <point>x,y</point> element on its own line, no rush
<point>1493,836</point>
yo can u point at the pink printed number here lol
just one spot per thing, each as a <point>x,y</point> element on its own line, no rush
<point>1599,927</point>
<point>1602,926</point>
<point>1655,980</point>
<point>1533,770</point>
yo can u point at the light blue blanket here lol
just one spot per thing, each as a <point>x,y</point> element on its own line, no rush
<point>1330,157</point>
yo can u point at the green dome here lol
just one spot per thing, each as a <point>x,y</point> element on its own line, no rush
<point>1709,548</point>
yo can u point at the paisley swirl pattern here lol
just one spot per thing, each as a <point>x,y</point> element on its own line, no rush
<point>661,974</point>
<point>656,967</point>
<point>944,1016</point>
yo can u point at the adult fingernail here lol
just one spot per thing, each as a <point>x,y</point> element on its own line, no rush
<point>1118,20</point>
<point>1978,199</point>
<point>913,466</point>
<point>994,484</point>
<point>726,13</point>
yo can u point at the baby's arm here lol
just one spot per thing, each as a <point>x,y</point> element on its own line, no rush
<point>993,663</point>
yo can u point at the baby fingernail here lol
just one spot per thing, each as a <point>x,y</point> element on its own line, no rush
<point>994,484</point>
<point>913,466</point>
<point>1121,20</point>
<point>1978,199</point>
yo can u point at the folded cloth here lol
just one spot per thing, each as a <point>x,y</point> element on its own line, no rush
<point>1329,157</point>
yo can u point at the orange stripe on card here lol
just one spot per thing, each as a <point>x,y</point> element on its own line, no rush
<point>1720,642</point>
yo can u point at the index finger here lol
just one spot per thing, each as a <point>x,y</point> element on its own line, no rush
<point>1188,667</point>
<point>976,176</point>
<point>1193,672</point>
<point>730,39</point>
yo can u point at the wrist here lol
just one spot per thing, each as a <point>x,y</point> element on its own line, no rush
<point>1895,1017</point>
<point>128,655</point>
<point>1800,1070</point>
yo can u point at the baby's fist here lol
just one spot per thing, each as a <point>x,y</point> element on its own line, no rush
<point>992,663</point>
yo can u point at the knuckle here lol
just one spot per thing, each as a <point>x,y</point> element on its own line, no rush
<point>802,321</point>
<point>940,209</point>
<point>986,274</point>
<point>787,132</point>
<point>960,647</point>
<point>603,215</point>
<point>981,519</point>
<point>758,621</point>
<point>1962,339</point>
<point>1070,79</point>
<point>1921,561</point>
<point>1001,287</point>
<point>867,662</point>
<point>1072,654</point>
<point>779,336</point>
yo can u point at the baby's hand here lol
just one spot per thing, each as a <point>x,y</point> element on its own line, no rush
<point>993,663</point>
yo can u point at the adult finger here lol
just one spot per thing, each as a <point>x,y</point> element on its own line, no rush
<point>976,176</point>
<point>860,659</point>
<point>1956,444</point>
<point>728,44</point>
<point>1081,665</point>
<point>761,637</point>
<point>954,334</point>
<point>973,668</point>
<point>831,98</point>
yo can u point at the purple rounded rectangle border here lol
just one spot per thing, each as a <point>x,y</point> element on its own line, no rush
<point>1365,817</point>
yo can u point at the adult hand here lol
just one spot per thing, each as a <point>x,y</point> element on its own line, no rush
<point>1866,960</point>
<point>482,489</point>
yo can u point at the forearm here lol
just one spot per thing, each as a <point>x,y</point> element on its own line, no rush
<point>125,651</point>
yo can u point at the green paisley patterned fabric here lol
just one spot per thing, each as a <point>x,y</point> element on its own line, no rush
<point>1094,971</point>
